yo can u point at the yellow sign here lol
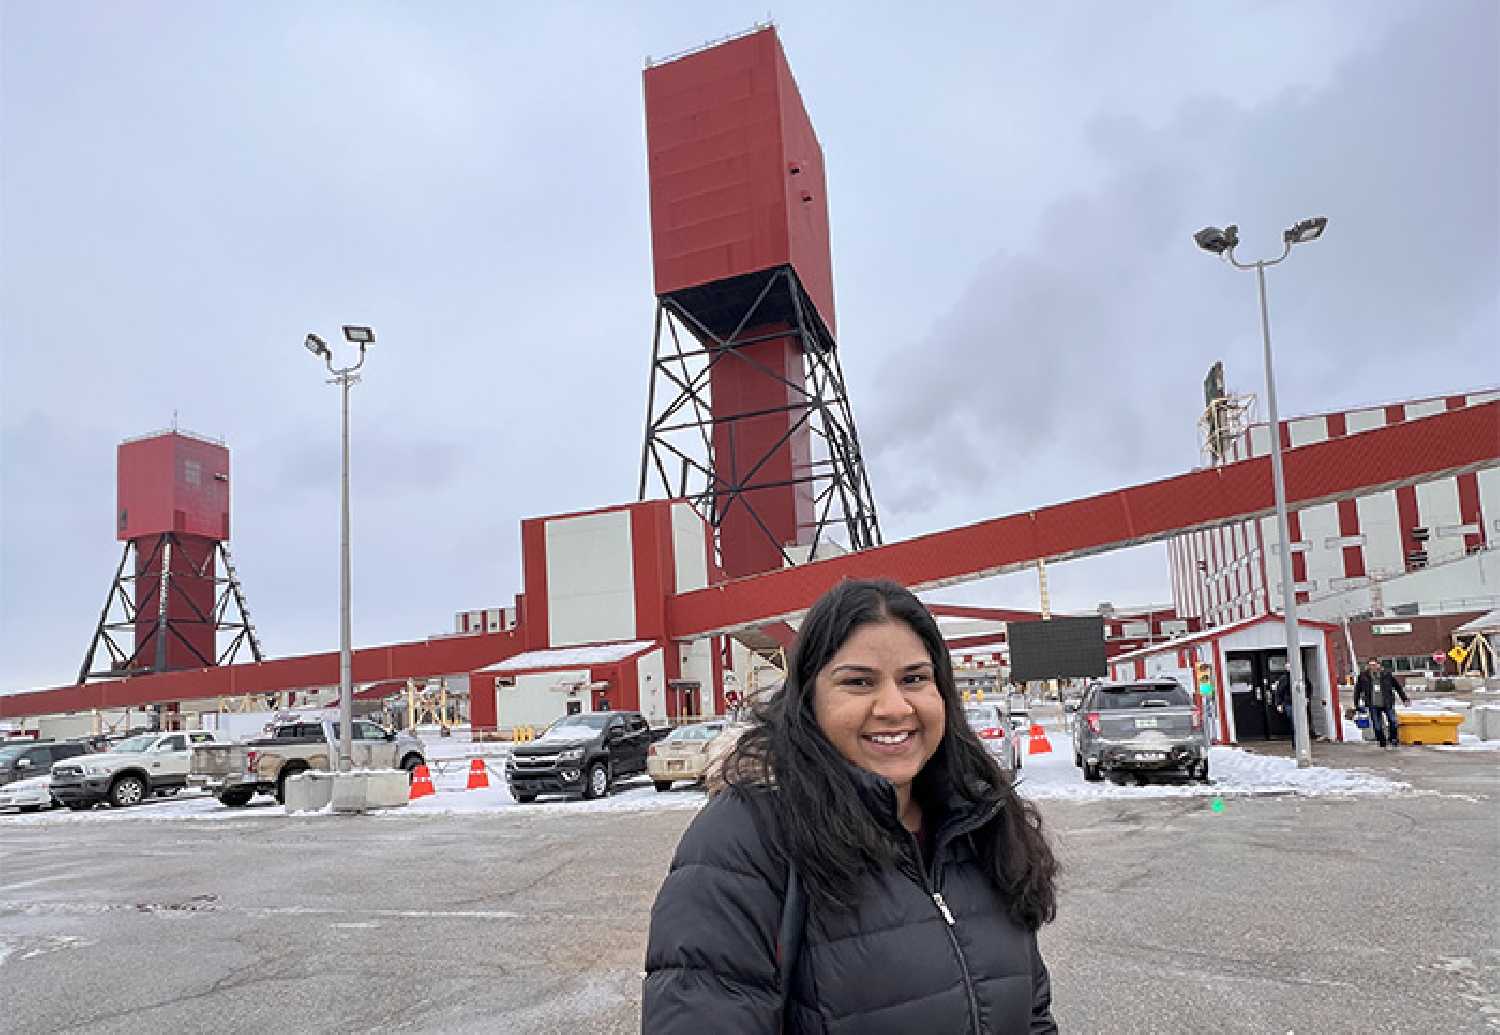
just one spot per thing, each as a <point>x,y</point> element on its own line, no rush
<point>1458,654</point>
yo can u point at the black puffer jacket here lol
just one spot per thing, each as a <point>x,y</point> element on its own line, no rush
<point>896,964</point>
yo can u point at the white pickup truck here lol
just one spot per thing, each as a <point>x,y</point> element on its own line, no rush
<point>129,772</point>
<point>236,772</point>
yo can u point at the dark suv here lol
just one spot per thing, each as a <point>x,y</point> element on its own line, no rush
<point>581,754</point>
<point>19,760</point>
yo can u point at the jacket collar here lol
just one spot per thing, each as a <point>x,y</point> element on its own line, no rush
<point>946,812</point>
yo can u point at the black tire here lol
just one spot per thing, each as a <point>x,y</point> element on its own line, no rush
<point>525,799</point>
<point>236,799</point>
<point>128,790</point>
<point>31,808</point>
<point>410,763</point>
<point>1077,759</point>
<point>596,781</point>
<point>662,785</point>
<point>80,806</point>
<point>1201,776</point>
<point>1091,772</point>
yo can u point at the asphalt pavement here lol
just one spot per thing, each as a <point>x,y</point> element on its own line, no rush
<point>1280,914</point>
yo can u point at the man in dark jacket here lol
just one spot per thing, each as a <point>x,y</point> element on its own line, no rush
<point>1377,689</point>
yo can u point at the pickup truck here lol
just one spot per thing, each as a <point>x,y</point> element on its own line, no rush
<point>234,773</point>
<point>129,772</point>
<point>581,754</point>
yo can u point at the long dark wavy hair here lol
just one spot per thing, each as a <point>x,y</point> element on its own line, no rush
<point>825,826</point>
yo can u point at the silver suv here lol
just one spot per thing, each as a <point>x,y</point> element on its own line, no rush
<point>1147,726</point>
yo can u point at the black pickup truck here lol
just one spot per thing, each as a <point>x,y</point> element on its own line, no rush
<point>581,754</point>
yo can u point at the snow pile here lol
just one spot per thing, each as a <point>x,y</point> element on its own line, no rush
<point>1469,742</point>
<point>1233,772</point>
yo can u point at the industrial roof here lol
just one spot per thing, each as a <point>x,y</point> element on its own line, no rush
<point>572,657</point>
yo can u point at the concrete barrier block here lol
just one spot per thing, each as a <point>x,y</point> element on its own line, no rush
<point>387,788</point>
<point>1483,722</point>
<point>308,791</point>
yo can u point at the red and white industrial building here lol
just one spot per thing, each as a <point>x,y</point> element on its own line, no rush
<point>655,604</point>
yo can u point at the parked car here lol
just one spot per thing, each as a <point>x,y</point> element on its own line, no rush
<point>28,795</point>
<point>993,727</point>
<point>129,772</point>
<point>234,773</point>
<point>581,754</point>
<point>1142,727</point>
<point>28,758</point>
<point>683,754</point>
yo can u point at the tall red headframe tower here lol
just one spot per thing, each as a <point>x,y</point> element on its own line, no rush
<point>747,414</point>
<point>172,514</point>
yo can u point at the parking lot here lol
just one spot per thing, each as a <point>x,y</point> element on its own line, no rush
<point>1279,912</point>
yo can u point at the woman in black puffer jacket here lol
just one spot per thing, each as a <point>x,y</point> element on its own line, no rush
<point>866,867</point>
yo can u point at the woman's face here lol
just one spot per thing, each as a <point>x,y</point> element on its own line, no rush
<point>878,703</point>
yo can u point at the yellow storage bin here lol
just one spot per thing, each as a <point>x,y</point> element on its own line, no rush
<point>1428,727</point>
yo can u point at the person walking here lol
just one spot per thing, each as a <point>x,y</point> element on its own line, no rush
<point>1377,690</point>
<point>1282,698</point>
<point>863,864</point>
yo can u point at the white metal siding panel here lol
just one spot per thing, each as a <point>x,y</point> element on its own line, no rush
<point>651,684</point>
<point>590,579</point>
<point>691,547</point>
<point>538,699</point>
<point>1489,503</point>
<point>1478,398</point>
<point>1437,508</point>
<point>1379,524</point>
<point>1308,430</point>
<point>1260,440</point>
<point>1320,524</point>
<point>1364,420</point>
<point>1425,409</point>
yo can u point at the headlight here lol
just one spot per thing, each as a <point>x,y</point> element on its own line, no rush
<point>96,770</point>
<point>570,755</point>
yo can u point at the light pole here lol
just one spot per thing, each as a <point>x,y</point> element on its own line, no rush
<point>1222,243</point>
<point>345,378</point>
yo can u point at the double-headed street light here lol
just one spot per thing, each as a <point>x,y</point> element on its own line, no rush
<point>344,377</point>
<point>1222,243</point>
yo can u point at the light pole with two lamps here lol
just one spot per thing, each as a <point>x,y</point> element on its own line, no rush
<point>345,378</point>
<point>1222,243</point>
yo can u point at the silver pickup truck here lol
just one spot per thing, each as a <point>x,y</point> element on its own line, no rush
<point>234,773</point>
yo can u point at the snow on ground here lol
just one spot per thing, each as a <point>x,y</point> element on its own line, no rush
<point>1233,772</point>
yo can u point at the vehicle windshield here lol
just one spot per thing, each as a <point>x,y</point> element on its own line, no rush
<point>587,720</point>
<point>13,752</point>
<point>982,715</point>
<point>697,731</point>
<point>135,743</point>
<point>1144,697</point>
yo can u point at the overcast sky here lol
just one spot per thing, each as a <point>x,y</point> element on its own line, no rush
<point>188,189</point>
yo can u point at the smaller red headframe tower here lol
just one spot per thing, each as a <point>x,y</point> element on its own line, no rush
<point>172,514</point>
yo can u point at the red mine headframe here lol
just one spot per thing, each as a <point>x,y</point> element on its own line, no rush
<point>172,514</point>
<point>748,415</point>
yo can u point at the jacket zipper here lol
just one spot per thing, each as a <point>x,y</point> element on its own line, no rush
<point>949,923</point>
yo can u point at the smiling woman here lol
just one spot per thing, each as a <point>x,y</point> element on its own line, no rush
<point>867,866</point>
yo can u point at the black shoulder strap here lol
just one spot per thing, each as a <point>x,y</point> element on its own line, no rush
<point>789,939</point>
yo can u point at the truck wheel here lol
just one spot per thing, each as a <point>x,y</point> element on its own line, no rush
<point>526,799</point>
<point>290,769</point>
<point>1091,772</point>
<point>80,806</point>
<point>236,799</point>
<point>596,781</point>
<point>1202,773</point>
<point>663,785</point>
<point>410,763</point>
<point>127,791</point>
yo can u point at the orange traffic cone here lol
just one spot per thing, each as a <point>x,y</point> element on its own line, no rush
<point>479,776</point>
<point>421,783</point>
<point>1039,745</point>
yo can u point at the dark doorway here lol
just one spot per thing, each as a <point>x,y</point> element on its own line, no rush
<point>1251,679</point>
<point>575,706</point>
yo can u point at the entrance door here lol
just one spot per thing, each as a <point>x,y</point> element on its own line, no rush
<point>1250,685</point>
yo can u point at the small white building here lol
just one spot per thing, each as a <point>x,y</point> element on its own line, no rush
<point>1247,658</point>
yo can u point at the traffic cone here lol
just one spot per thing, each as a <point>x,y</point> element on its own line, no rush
<point>1038,745</point>
<point>479,776</point>
<point>421,783</point>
